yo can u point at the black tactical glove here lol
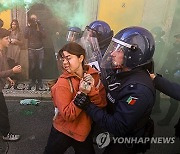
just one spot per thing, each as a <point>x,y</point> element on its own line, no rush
<point>82,101</point>
<point>177,129</point>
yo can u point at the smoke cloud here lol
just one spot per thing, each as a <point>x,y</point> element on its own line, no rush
<point>73,13</point>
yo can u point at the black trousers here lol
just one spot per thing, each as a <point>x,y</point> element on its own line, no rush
<point>4,120</point>
<point>36,58</point>
<point>58,143</point>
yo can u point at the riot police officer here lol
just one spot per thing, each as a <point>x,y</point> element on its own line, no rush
<point>131,93</point>
<point>73,34</point>
<point>104,34</point>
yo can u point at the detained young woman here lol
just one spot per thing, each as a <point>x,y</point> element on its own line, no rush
<point>71,125</point>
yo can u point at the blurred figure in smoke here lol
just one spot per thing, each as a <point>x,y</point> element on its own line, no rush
<point>73,34</point>
<point>160,44</point>
<point>171,70</point>
<point>35,34</point>
<point>160,47</point>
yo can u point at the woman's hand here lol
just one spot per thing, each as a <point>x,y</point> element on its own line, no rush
<point>84,87</point>
<point>86,83</point>
<point>89,79</point>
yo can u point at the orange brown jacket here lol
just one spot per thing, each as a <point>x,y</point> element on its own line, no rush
<point>70,119</point>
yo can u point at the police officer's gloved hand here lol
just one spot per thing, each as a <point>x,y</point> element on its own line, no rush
<point>177,129</point>
<point>82,101</point>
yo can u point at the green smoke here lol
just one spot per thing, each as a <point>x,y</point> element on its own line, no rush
<point>73,13</point>
<point>10,4</point>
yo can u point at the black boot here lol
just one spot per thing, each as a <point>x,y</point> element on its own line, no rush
<point>39,86</point>
<point>31,85</point>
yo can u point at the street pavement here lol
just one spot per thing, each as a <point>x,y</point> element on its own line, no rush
<point>33,123</point>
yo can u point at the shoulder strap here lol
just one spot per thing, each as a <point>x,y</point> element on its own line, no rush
<point>71,85</point>
<point>98,85</point>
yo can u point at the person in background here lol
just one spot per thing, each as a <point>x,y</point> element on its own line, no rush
<point>104,34</point>
<point>130,90</point>
<point>5,74</point>
<point>171,70</point>
<point>73,34</point>
<point>35,34</point>
<point>169,88</point>
<point>158,33</point>
<point>71,125</point>
<point>14,48</point>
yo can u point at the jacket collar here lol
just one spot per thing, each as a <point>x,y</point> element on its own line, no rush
<point>90,70</point>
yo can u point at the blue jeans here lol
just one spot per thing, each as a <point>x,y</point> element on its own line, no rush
<point>36,57</point>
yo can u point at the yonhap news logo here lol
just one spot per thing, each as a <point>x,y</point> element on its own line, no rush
<point>104,140</point>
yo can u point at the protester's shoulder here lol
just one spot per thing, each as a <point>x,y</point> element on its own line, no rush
<point>61,82</point>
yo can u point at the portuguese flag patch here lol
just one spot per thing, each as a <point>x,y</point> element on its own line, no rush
<point>131,100</point>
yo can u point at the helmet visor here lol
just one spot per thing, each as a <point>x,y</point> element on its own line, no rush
<point>91,46</point>
<point>115,55</point>
<point>72,36</point>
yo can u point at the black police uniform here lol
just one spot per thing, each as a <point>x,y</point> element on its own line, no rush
<point>131,97</point>
<point>160,47</point>
<point>171,89</point>
<point>170,68</point>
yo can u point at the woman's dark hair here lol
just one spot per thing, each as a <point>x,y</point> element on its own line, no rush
<point>17,24</point>
<point>74,49</point>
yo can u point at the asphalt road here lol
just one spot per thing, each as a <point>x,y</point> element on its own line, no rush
<point>34,123</point>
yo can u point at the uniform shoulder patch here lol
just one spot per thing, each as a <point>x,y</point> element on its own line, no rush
<point>132,100</point>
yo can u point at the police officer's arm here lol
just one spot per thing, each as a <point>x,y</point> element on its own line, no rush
<point>126,114</point>
<point>165,86</point>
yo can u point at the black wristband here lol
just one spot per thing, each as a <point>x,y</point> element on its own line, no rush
<point>81,100</point>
